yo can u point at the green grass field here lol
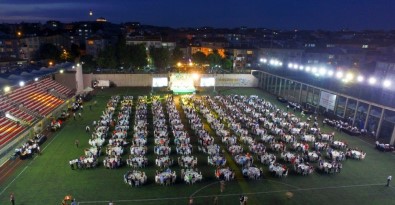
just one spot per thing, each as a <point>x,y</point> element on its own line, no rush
<point>46,179</point>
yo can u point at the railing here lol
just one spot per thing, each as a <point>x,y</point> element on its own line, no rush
<point>8,150</point>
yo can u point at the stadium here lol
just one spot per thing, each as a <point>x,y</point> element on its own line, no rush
<point>190,138</point>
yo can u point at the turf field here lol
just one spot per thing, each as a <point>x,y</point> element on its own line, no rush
<point>47,178</point>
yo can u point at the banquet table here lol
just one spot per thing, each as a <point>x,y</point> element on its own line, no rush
<point>191,176</point>
<point>252,172</point>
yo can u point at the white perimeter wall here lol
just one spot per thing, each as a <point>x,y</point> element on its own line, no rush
<point>145,80</point>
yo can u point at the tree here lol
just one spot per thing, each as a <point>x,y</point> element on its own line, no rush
<point>75,51</point>
<point>138,56</point>
<point>48,51</point>
<point>176,56</point>
<point>160,57</point>
<point>107,58</point>
<point>226,64</point>
<point>89,64</point>
<point>199,58</point>
<point>214,59</point>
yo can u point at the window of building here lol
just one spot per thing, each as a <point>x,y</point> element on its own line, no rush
<point>365,46</point>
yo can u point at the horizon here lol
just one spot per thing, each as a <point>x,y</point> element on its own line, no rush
<point>356,15</point>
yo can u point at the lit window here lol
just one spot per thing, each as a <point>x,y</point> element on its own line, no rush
<point>365,46</point>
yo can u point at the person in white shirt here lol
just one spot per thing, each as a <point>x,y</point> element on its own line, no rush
<point>389,178</point>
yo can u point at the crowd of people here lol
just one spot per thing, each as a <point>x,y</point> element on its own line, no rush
<point>248,127</point>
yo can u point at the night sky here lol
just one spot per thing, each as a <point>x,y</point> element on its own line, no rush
<point>278,14</point>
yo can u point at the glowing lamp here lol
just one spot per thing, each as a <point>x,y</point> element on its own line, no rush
<point>386,83</point>
<point>7,89</point>
<point>360,78</point>
<point>372,81</point>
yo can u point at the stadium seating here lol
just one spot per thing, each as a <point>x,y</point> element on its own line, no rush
<point>8,130</point>
<point>59,88</point>
<point>7,107</point>
<point>37,98</point>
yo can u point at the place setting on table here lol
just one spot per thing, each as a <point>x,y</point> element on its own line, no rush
<point>187,161</point>
<point>312,156</point>
<point>252,172</point>
<point>165,177</point>
<point>244,159</point>
<point>267,158</point>
<point>308,138</point>
<point>191,176</point>
<point>339,145</point>
<point>287,156</point>
<point>138,150</point>
<point>135,178</point>
<point>303,168</point>
<point>277,146</point>
<point>216,160</point>
<point>114,150</point>
<point>279,170</point>
<point>184,149</point>
<point>224,173</point>
<point>355,154</point>
<point>162,150</point>
<point>336,155</point>
<point>164,161</point>
<point>137,161</point>
<point>235,149</point>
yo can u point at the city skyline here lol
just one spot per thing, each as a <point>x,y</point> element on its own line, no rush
<point>282,14</point>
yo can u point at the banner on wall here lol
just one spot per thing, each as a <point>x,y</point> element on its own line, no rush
<point>207,82</point>
<point>159,82</point>
<point>328,100</point>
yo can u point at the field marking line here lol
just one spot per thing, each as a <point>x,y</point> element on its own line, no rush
<point>5,174</point>
<point>193,194</point>
<point>29,164</point>
<point>13,181</point>
<point>238,194</point>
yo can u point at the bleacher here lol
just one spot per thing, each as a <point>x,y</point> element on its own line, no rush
<point>8,130</point>
<point>6,106</point>
<point>59,88</point>
<point>35,99</point>
<point>26,103</point>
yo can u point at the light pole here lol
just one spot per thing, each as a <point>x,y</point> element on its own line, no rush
<point>215,78</point>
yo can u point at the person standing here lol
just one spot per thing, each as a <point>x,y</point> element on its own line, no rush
<point>87,129</point>
<point>74,115</point>
<point>215,202</point>
<point>389,178</point>
<point>80,114</point>
<point>77,143</point>
<point>12,198</point>
<point>222,186</point>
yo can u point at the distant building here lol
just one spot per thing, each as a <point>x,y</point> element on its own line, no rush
<point>156,42</point>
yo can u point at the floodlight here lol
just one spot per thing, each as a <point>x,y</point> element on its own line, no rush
<point>386,83</point>
<point>21,83</point>
<point>322,71</point>
<point>372,80</point>
<point>7,89</point>
<point>360,78</point>
<point>349,76</point>
<point>35,79</point>
<point>339,74</point>
<point>330,73</point>
<point>195,76</point>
